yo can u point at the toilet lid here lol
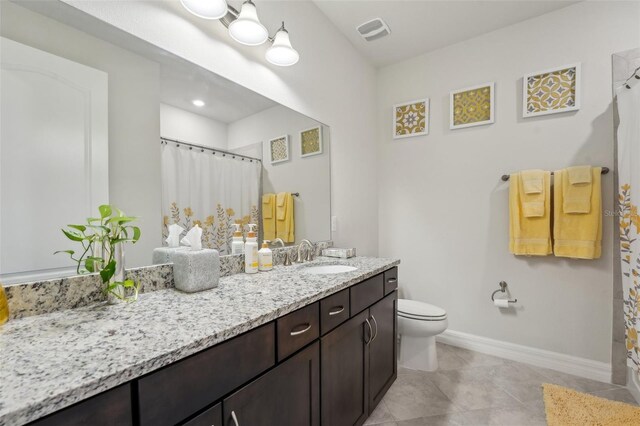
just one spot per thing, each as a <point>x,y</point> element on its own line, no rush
<point>419,310</point>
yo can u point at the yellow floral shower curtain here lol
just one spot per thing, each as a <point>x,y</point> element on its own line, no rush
<point>629,198</point>
<point>212,191</point>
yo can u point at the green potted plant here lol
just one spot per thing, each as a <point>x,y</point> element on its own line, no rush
<point>102,240</point>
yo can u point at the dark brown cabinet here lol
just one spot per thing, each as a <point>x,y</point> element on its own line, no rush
<point>383,367</point>
<point>359,364</point>
<point>345,365</point>
<point>110,408</point>
<point>288,395</point>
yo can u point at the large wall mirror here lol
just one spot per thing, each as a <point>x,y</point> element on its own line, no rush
<point>92,115</point>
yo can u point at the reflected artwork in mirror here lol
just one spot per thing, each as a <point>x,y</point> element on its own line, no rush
<point>115,120</point>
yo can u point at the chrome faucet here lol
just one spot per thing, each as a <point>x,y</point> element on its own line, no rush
<point>309,256</point>
<point>287,259</point>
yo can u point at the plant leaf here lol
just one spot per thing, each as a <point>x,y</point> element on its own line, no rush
<point>105,210</point>
<point>69,252</point>
<point>80,228</point>
<point>72,235</point>
<point>108,271</point>
<point>136,233</point>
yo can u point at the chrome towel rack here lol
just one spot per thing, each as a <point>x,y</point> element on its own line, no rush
<point>605,170</point>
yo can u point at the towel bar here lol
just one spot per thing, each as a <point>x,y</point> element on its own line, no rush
<point>605,170</point>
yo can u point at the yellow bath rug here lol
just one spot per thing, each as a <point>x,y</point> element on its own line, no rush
<point>566,407</point>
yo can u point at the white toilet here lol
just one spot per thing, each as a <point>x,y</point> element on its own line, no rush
<point>418,325</point>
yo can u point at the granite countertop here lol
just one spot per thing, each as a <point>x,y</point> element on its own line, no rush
<point>50,361</point>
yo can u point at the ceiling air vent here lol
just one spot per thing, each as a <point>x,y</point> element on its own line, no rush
<point>374,29</point>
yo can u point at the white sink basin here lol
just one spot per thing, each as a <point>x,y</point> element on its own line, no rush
<point>328,269</point>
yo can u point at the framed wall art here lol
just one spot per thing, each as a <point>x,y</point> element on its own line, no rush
<point>551,91</point>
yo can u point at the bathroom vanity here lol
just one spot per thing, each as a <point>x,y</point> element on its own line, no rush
<point>279,348</point>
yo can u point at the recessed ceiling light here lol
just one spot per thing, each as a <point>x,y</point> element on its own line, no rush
<point>198,102</point>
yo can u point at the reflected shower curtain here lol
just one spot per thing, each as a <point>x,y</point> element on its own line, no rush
<point>629,199</point>
<point>213,191</point>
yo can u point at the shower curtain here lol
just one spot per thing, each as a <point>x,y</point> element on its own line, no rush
<point>212,191</point>
<point>629,199</point>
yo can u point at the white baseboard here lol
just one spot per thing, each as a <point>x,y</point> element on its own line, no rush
<point>577,366</point>
<point>633,384</point>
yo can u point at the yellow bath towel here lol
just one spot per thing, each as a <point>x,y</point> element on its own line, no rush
<point>577,235</point>
<point>269,216</point>
<point>576,189</point>
<point>530,236</point>
<point>285,222</point>
<point>533,193</point>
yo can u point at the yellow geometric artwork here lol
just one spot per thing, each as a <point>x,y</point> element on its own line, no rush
<point>472,106</point>
<point>311,142</point>
<point>411,119</point>
<point>552,91</point>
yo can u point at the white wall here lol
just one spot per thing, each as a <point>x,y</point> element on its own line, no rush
<point>332,83</point>
<point>443,207</point>
<point>310,176</point>
<point>134,120</point>
<point>179,124</point>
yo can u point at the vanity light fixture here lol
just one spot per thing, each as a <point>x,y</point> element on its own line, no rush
<point>245,28</point>
<point>281,52</point>
<point>207,9</point>
<point>198,102</point>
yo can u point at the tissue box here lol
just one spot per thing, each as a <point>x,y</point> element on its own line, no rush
<point>163,255</point>
<point>196,270</point>
<point>339,252</point>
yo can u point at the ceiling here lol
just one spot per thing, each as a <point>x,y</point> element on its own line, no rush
<point>225,101</point>
<point>418,26</point>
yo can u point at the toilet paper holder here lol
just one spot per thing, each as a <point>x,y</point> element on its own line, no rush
<point>503,289</point>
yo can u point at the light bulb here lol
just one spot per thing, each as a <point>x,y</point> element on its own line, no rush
<point>281,53</point>
<point>247,29</point>
<point>207,9</point>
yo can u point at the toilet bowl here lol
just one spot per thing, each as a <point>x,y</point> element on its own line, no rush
<point>418,325</point>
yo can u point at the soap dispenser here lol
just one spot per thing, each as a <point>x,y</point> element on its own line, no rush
<point>265,257</point>
<point>237,243</point>
<point>4,306</point>
<point>251,251</point>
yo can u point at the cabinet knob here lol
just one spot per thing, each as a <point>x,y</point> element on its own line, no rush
<point>297,333</point>
<point>376,324</point>
<point>336,310</point>
<point>370,331</point>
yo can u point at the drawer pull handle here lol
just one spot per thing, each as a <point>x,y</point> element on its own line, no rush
<point>304,330</point>
<point>370,331</point>
<point>392,280</point>
<point>376,324</point>
<point>235,419</point>
<point>336,310</point>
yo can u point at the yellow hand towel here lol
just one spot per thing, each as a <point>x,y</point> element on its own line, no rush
<point>530,236</point>
<point>285,222</point>
<point>576,189</point>
<point>577,235</point>
<point>269,216</point>
<point>532,193</point>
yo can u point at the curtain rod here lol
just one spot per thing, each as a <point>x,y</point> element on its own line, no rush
<point>202,148</point>
<point>604,171</point>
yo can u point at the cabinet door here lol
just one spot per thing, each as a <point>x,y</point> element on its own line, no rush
<point>288,395</point>
<point>383,366</point>
<point>345,364</point>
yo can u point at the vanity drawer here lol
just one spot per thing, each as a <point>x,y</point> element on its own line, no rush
<point>210,417</point>
<point>366,293</point>
<point>297,329</point>
<point>334,310</point>
<point>390,280</point>
<point>172,394</point>
<point>112,407</point>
